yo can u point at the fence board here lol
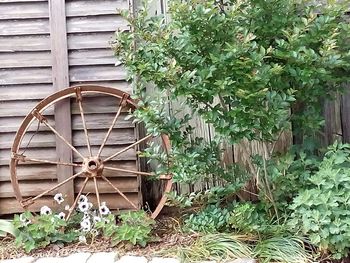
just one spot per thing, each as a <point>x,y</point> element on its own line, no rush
<point>25,76</point>
<point>93,8</point>
<point>23,10</point>
<point>25,92</point>
<point>95,24</point>
<point>97,73</point>
<point>92,57</point>
<point>24,27</point>
<point>25,60</point>
<point>89,41</point>
<point>30,172</point>
<point>25,43</point>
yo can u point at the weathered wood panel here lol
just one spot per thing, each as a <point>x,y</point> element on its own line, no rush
<point>39,153</point>
<point>92,57</point>
<point>333,126</point>
<point>345,114</point>
<point>93,8</point>
<point>117,137</point>
<point>25,92</point>
<point>11,124</point>
<point>34,62</point>
<point>100,104</point>
<point>100,121</point>
<point>97,73</point>
<point>25,59</point>
<point>121,85</point>
<point>25,76</point>
<point>30,172</point>
<point>28,188</point>
<point>89,41</point>
<point>23,10</point>
<point>24,27</point>
<point>95,24</point>
<point>25,43</point>
<point>107,151</point>
<point>18,108</point>
<point>125,185</point>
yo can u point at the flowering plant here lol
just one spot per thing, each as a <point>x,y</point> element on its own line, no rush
<point>37,231</point>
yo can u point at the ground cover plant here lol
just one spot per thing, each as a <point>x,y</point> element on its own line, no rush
<point>252,70</point>
<point>86,223</point>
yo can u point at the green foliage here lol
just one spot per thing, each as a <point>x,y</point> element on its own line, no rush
<point>248,70</point>
<point>321,208</point>
<point>246,63</point>
<point>6,227</point>
<point>282,249</point>
<point>135,228</point>
<point>41,231</point>
<point>215,247</point>
<point>209,220</point>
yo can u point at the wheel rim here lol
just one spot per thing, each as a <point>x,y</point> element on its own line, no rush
<point>92,166</point>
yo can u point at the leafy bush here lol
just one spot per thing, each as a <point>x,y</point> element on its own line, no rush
<point>210,220</point>
<point>321,208</point>
<point>135,227</point>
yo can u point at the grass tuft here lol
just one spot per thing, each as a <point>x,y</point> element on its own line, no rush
<point>282,249</point>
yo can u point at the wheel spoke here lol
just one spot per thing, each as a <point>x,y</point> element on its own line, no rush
<point>129,147</point>
<point>42,119</point>
<point>128,171</point>
<point>71,209</point>
<point>23,158</point>
<point>119,192</point>
<point>80,99</point>
<point>31,200</point>
<point>121,105</point>
<point>97,196</point>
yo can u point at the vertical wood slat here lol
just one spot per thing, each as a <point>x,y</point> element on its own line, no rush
<point>60,78</point>
<point>345,114</point>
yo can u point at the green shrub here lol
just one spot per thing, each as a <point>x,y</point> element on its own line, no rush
<point>209,220</point>
<point>321,208</point>
<point>135,227</point>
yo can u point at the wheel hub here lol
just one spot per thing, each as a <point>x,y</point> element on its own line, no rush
<point>93,167</point>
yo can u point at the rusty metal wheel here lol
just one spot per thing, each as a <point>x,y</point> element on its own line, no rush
<point>91,165</point>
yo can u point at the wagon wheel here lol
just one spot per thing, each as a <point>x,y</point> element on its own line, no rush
<point>91,166</point>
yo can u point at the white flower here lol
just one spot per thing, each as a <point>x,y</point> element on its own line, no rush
<point>61,215</point>
<point>86,216</point>
<point>85,225</point>
<point>90,205</point>
<point>58,198</point>
<point>97,219</point>
<point>83,207</point>
<point>24,220</point>
<point>82,239</point>
<point>45,210</point>
<point>67,207</point>
<point>83,199</point>
<point>104,210</point>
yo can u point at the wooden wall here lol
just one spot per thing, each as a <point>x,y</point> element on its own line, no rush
<point>45,46</point>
